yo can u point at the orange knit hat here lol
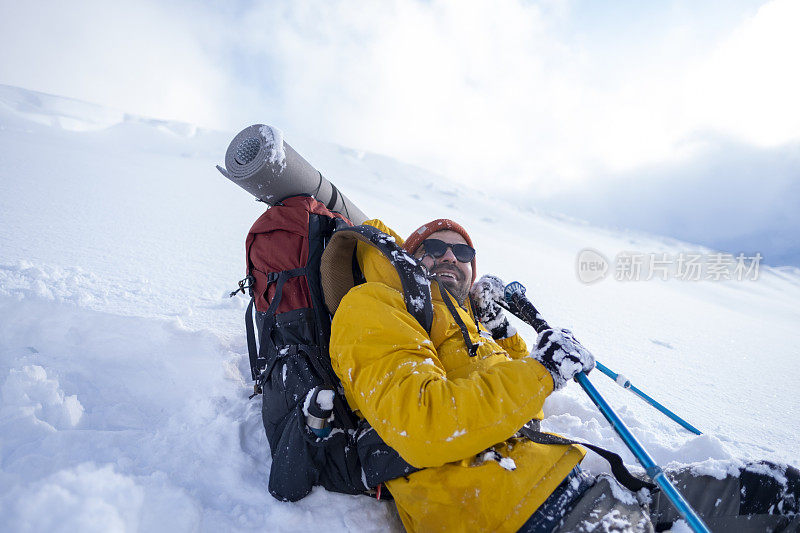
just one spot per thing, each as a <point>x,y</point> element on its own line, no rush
<point>426,230</point>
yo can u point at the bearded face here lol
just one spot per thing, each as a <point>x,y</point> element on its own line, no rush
<point>454,275</point>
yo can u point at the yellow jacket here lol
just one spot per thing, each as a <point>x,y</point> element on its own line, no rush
<point>441,409</point>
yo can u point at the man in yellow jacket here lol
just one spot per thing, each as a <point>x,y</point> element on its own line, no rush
<point>450,402</point>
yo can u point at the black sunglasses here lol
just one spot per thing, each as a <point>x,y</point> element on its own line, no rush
<point>436,249</point>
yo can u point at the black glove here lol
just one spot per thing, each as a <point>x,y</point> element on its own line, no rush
<point>562,355</point>
<point>486,294</point>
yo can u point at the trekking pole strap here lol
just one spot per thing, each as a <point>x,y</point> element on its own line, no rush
<point>618,468</point>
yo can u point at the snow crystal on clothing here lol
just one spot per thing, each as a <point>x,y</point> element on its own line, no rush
<point>323,393</point>
<point>508,463</point>
<point>491,454</point>
<point>457,433</point>
<point>422,280</point>
<point>273,144</point>
<point>717,468</point>
<point>307,401</point>
<point>620,493</point>
<point>681,526</point>
<point>325,400</point>
<point>613,521</point>
<point>417,302</point>
<point>488,455</point>
<point>778,473</point>
<point>398,255</point>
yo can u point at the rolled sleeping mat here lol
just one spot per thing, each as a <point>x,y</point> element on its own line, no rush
<point>259,161</point>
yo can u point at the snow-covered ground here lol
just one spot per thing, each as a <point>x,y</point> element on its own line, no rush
<point>123,362</point>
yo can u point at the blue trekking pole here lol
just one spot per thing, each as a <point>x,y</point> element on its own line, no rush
<point>524,309</point>
<point>650,466</point>
<point>625,383</point>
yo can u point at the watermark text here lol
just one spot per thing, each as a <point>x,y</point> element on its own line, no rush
<point>593,266</point>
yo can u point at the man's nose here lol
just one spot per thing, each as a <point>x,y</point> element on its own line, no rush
<point>448,256</point>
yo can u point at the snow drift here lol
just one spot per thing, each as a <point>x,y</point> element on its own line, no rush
<point>123,363</point>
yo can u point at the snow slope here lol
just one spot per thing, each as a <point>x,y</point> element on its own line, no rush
<point>123,364</point>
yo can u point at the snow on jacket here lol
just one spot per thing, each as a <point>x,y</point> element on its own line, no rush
<point>442,409</point>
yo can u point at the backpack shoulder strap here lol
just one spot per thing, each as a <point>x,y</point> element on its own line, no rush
<point>252,348</point>
<point>338,275</point>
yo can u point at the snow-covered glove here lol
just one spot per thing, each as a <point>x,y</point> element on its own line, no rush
<point>487,293</point>
<point>562,355</point>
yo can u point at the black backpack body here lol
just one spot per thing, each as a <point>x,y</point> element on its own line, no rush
<point>288,329</point>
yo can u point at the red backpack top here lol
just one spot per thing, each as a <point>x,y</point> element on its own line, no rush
<point>279,241</point>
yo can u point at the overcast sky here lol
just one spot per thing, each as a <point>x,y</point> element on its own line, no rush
<point>537,97</point>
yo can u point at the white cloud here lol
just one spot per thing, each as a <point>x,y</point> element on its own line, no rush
<point>136,57</point>
<point>749,85</point>
<point>468,88</point>
<point>501,93</point>
<point>728,195</point>
<point>510,93</point>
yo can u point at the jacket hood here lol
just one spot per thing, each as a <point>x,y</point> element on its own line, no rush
<point>338,276</point>
<point>374,265</point>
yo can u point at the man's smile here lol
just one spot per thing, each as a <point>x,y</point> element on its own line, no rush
<point>447,276</point>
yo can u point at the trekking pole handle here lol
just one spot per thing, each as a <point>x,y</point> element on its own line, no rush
<point>522,307</point>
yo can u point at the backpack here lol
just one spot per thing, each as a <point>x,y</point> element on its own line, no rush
<point>288,328</point>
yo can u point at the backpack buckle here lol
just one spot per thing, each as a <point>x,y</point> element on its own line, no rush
<point>245,283</point>
<point>256,391</point>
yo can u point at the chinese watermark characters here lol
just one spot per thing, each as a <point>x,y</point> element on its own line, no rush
<point>593,266</point>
